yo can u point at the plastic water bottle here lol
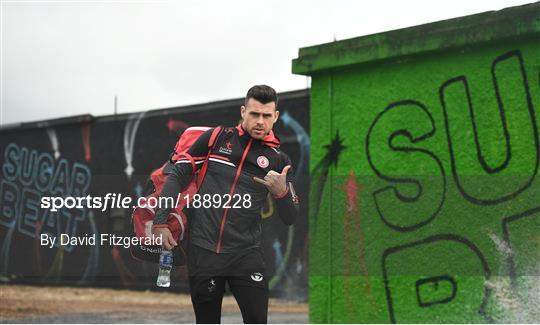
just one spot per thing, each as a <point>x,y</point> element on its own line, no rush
<point>165,266</point>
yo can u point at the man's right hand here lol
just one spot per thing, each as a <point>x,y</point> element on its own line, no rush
<point>167,239</point>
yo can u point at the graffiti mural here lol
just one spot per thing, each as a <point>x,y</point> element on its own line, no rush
<point>424,194</point>
<point>116,154</point>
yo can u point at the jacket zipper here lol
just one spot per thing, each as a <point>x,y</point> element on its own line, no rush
<point>233,186</point>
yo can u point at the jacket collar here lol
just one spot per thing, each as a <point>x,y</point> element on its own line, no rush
<point>270,140</point>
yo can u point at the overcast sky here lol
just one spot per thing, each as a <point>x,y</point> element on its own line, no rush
<point>62,58</point>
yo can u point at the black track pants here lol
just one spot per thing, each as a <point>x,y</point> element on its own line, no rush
<point>244,272</point>
<point>207,295</point>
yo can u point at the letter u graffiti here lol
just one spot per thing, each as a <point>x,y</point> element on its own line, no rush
<point>490,166</point>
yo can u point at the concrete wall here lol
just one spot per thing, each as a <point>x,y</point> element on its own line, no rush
<point>115,154</point>
<point>425,196</point>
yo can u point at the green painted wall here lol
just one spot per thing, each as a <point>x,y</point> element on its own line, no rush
<point>425,200</point>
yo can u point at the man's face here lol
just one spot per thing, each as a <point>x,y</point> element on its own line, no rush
<point>257,118</point>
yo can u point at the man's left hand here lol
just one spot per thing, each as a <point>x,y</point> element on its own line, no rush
<point>275,182</point>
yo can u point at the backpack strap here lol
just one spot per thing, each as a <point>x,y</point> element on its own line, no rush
<point>215,134</point>
<point>211,144</point>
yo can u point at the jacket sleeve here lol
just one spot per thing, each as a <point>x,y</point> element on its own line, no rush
<point>288,204</point>
<point>180,174</point>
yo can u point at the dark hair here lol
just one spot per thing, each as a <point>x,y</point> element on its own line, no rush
<point>262,93</point>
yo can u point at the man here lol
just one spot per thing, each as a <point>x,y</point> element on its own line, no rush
<point>244,164</point>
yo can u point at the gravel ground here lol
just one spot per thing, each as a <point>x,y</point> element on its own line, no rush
<point>29,304</point>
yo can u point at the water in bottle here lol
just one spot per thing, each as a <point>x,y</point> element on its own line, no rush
<point>165,266</point>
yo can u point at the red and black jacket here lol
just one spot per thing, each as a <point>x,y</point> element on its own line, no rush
<point>233,161</point>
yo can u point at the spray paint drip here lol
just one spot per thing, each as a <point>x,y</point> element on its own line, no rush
<point>54,142</point>
<point>129,141</point>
